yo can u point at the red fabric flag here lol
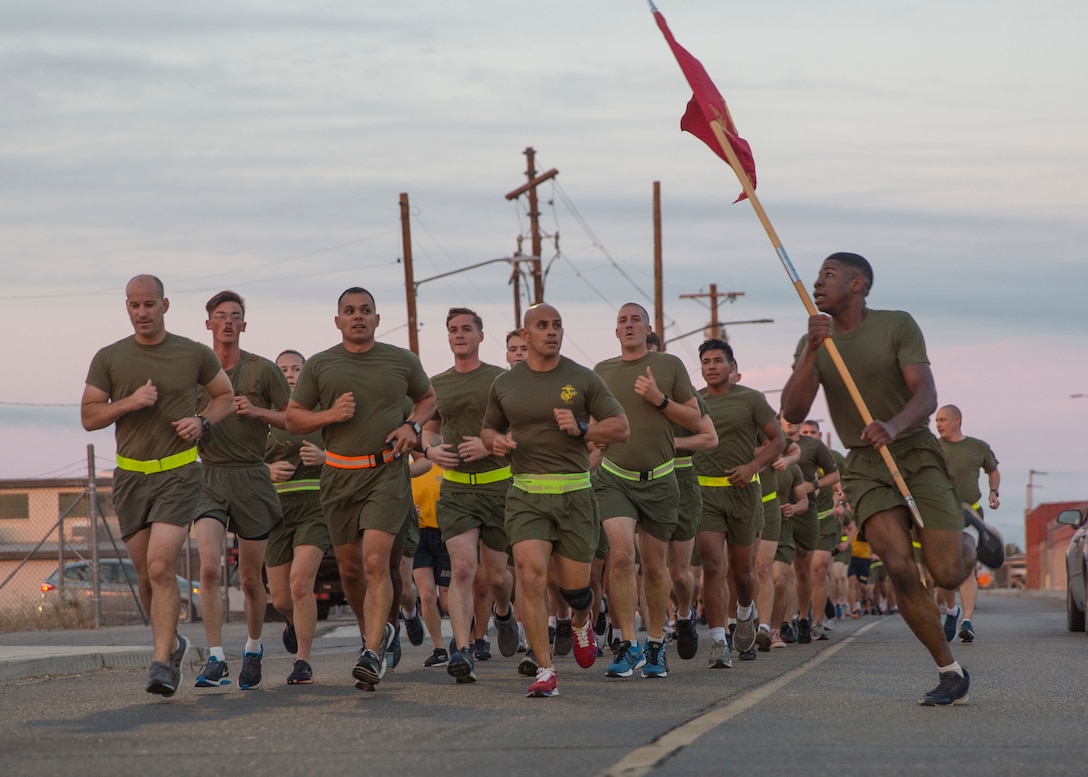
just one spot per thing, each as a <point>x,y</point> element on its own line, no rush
<point>707,105</point>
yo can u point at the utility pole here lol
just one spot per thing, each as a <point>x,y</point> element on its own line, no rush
<point>714,328</point>
<point>534,218</point>
<point>1031,488</point>
<point>659,304</point>
<point>409,278</point>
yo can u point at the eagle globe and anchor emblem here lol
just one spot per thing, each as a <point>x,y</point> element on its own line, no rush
<point>568,393</point>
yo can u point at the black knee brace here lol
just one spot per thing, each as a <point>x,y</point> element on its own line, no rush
<point>579,598</point>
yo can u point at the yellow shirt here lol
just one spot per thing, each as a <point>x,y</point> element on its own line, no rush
<point>425,494</point>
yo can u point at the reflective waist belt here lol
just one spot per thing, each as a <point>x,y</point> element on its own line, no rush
<point>157,465</point>
<point>977,505</point>
<point>630,474</point>
<point>477,478</point>
<point>769,497</point>
<point>682,462</point>
<point>824,514</point>
<point>706,480</point>
<point>553,484</point>
<point>295,486</point>
<point>369,461</point>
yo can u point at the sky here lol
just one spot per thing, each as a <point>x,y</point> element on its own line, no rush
<point>262,147</point>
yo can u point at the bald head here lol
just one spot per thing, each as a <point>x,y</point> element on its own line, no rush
<point>144,283</point>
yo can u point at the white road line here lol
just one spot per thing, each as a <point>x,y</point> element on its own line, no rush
<point>639,762</point>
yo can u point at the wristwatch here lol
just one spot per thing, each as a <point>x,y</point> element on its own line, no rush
<point>815,485</point>
<point>583,428</point>
<point>664,403</point>
<point>415,427</point>
<point>206,425</point>
<point>994,492</point>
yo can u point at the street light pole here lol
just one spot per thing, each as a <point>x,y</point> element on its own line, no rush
<point>1031,487</point>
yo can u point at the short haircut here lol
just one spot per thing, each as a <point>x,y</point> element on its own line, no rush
<point>955,411</point>
<point>856,261</point>
<point>714,344</point>
<point>225,296</point>
<point>513,333</point>
<point>645,313</point>
<point>291,351</point>
<point>811,422</point>
<point>455,312</point>
<point>653,339</point>
<point>159,288</point>
<point>356,290</point>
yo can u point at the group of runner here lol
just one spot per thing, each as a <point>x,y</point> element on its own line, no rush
<point>559,483</point>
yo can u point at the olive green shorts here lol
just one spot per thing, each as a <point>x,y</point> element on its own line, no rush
<point>303,523</point>
<point>242,498</point>
<point>738,512</point>
<point>806,530</point>
<point>785,551</point>
<point>652,503</point>
<point>772,519</point>
<point>571,522</point>
<point>870,489</point>
<point>830,531</point>
<point>408,537</point>
<point>689,514</point>
<point>878,573</point>
<point>461,508</point>
<point>162,497</point>
<point>355,500</point>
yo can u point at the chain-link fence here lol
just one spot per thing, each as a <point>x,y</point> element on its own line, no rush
<point>62,561</point>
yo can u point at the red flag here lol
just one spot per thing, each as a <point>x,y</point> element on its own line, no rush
<point>707,105</point>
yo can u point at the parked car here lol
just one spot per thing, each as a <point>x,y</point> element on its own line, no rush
<point>119,599</point>
<point>1076,567</point>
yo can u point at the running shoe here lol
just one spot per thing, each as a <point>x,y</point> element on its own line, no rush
<point>301,674</point>
<point>744,638</point>
<point>438,658</point>
<point>656,665</point>
<point>951,625</point>
<point>776,640</point>
<point>462,666</point>
<point>804,632</point>
<point>763,640</point>
<point>545,685</point>
<point>952,689</point>
<point>748,655</point>
<point>368,670</point>
<point>732,627</point>
<point>991,548</point>
<point>585,645</point>
<point>250,676</point>
<point>506,630</point>
<point>564,637</point>
<point>214,674</point>
<point>290,639</point>
<point>600,625</point>
<point>838,610</point>
<point>967,630</point>
<point>413,627</point>
<point>788,633</point>
<point>719,655</point>
<point>528,664</point>
<point>829,608</point>
<point>162,679</point>
<point>626,658</point>
<point>177,658</point>
<point>820,632</point>
<point>481,650</point>
<point>394,652</point>
<point>687,638</point>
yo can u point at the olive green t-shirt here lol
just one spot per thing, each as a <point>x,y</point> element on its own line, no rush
<point>284,446</point>
<point>177,367</point>
<point>876,352</point>
<point>462,401</point>
<point>965,458</point>
<point>825,497</point>
<point>238,439</point>
<point>679,431</point>
<point>521,400</point>
<point>379,379</point>
<point>738,416</point>
<point>787,480</point>
<point>652,437</point>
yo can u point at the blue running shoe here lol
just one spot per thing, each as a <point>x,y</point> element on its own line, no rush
<point>214,674</point>
<point>250,677</point>
<point>952,689</point>
<point>655,665</point>
<point>951,625</point>
<point>462,666</point>
<point>626,658</point>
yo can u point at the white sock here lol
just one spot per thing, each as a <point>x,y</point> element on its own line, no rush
<point>972,532</point>
<point>744,613</point>
<point>955,611</point>
<point>953,667</point>
<point>617,635</point>
<point>253,645</point>
<point>717,634</point>
<point>217,653</point>
<point>765,627</point>
<point>409,615</point>
<point>551,621</point>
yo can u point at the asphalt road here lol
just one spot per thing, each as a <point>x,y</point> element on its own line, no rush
<point>843,707</point>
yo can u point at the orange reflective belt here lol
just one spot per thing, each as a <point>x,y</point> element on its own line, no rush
<point>369,461</point>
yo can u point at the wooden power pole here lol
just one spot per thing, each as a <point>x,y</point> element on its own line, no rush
<point>659,300</point>
<point>534,218</point>
<point>409,277</point>
<point>714,328</point>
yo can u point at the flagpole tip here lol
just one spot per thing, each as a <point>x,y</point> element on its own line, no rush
<point>653,8</point>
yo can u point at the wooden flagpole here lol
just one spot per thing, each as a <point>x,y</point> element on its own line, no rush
<point>810,306</point>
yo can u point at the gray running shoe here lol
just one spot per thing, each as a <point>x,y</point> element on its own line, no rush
<point>368,670</point>
<point>763,640</point>
<point>438,658</point>
<point>528,665</point>
<point>162,679</point>
<point>744,638</point>
<point>177,658</point>
<point>301,674</point>
<point>462,666</point>
<point>719,656</point>
<point>507,630</point>
<point>564,636</point>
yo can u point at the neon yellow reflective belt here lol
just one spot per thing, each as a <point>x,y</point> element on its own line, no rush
<point>682,462</point>
<point>477,478</point>
<point>706,480</point>
<point>553,484</point>
<point>976,505</point>
<point>769,497</point>
<point>824,514</point>
<point>630,474</point>
<point>295,486</point>
<point>157,465</point>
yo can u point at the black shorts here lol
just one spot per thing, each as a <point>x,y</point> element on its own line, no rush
<point>431,553</point>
